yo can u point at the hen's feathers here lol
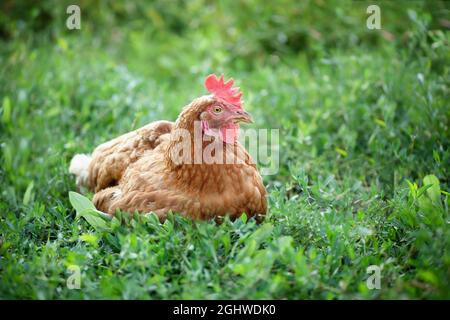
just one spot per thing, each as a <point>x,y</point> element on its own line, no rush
<point>111,159</point>
<point>79,166</point>
<point>197,191</point>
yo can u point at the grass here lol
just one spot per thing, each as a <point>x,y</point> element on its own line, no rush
<point>364,151</point>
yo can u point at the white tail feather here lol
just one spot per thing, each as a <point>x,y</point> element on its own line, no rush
<point>79,166</point>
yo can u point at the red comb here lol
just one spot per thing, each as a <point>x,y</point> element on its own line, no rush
<point>223,90</point>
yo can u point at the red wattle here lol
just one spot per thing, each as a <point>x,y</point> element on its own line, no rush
<point>227,133</point>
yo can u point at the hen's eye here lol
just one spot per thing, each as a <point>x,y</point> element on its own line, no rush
<point>217,109</point>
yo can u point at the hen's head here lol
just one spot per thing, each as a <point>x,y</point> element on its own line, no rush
<point>219,113</point>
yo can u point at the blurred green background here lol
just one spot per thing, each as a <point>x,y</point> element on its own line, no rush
<point>363,118</point>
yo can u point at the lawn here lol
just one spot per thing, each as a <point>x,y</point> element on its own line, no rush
<point>364,122</point>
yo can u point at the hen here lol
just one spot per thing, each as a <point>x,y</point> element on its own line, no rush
<point>194,167</point>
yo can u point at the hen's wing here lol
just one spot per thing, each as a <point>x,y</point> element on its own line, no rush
<point>110,160</point>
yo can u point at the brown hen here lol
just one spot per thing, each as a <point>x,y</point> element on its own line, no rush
<point>183,167</point>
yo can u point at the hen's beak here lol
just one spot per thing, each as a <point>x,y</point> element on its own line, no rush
<point>242,116</point>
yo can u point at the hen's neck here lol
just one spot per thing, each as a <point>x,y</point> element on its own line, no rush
<point>187,135</point>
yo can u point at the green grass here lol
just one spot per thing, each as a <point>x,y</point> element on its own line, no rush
<point>363,120</point>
